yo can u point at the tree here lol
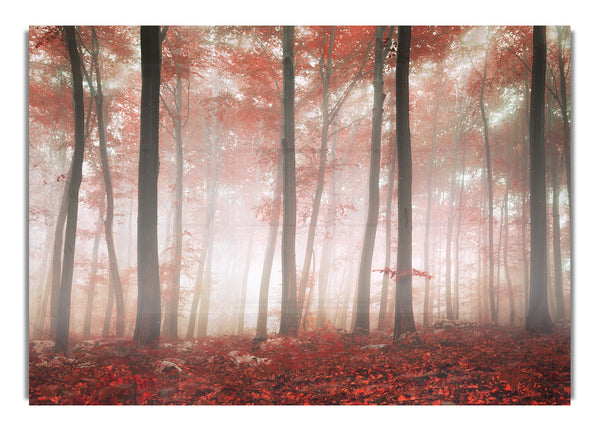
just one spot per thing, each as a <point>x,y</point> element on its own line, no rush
<point>176,116</point>
<point>364,275</point>
<point>98,95</point>
<point>404,321</point>
<point>538,316</point>
<point>147,325</point>
<point>289,323</point>
<point>66,281</point>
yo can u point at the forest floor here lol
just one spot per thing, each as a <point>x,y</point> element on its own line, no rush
<point>454,364</point>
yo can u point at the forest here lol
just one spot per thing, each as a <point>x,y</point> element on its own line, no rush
<point>299,215</point>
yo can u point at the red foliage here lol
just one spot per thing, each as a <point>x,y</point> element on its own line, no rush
<point>459,364</point>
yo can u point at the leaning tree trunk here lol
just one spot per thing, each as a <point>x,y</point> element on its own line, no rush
<point>364,274</point>
<point>147,325</point>
<point>59,233</point>
<point>289,313</point>
<point>404,321</point>
<point>312,228</point>
<point>538,316</point>
<point>114,278</point>
<point>66,281</point>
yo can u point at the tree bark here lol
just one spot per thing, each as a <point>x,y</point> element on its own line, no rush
<point>114,278</point>
<point>563,34</point>
<point>488,163</point>
<point>556,248</point>
<point>147,325</point>
<point>91,290</point>
<point>172,299</point>
<point>207,237</point>
<point>538,316</point>
<point>263,301</point>
<point>364,274</point>
<point>383,315</point>
<point>59,233</point>
<point>404,321</point>
<point>430,192</point>
<point>242,309</point>
<point>66,281</point>
<point>289,313</point>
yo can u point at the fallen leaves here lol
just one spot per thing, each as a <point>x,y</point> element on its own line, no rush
<point>452,365</point>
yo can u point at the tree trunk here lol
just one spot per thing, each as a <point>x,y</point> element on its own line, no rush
<point>364,275</point>
<point>458,224</point>
<point>563,33</point>
<point>172,299</point>
<point>404,321</point>
<point>538,316</point>
<point>430,192</point>
<point>59,233</point>
<point>147,325</point>
<point>289,313</point>
<point>66,281</point>
<point>328,247</point>
<point>206,239</point>
<point>558,275</point>
<point>451,211</point>
<point>511,298</point>
<point>325,74</point>
<point>383,316</point>
<point>89,303</point>
<point>488,163</point>
<point>205,293</point>
<point>114,278</point>
<point>242,309</point>
<point>263,300</point>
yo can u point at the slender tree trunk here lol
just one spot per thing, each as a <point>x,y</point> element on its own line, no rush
<point>458,225</point>
<point>558,282</point>
<point>327,249</point>
<point>488,163</point>
<point>364,275</point>
<point>263,300</point>
<point>91,290</point>
<point>66,280</point>
<point>430,193</point>
<point>242,309</point>
<point>59,233</point>
<point>480,306</point>
<point>538,316</point>
<point>114,278</point>
<point>147,325</point>
<point>289,313</point>
<point>205,293</point>
<point>451,210</point>
<point>43,293</point>
<point>511,298</point>
<point>206,239</point>
<point>563,34</point>
<point>172,299</point>
<point>383,317</point>
<point>404,321</point>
